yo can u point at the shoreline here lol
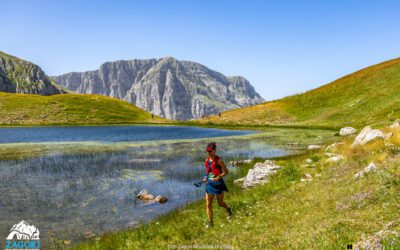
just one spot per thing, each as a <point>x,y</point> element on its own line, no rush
<point>189,124</point>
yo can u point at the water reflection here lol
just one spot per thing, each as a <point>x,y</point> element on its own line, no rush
<point>72,196</point>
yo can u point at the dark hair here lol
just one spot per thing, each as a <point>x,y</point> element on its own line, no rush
<point>212,145</point>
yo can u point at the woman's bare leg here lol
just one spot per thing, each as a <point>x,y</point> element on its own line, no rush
<point>209,200</point>
<point>221,202</point>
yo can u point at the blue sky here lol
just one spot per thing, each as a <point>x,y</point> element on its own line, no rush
<point>281,47</point>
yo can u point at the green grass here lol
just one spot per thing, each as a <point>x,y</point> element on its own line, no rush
<point>329,212</point>
<point>69,109</point>
<point>368,96</point>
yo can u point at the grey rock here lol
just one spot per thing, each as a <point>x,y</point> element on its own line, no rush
<point>260,173</point>
<point>335,158</point>
<point>370,168</point>
<point>366,135</point>
<point>161,198</point>
<point>144,195</point>
<point>347,131</point>
<point>180,90</point>
<point>19,76</point>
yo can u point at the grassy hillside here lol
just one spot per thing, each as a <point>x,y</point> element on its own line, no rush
<point>328,212</point>
<point>27,109</point>
<point>368,96</point>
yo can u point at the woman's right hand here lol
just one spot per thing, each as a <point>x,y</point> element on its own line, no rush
<point>204,179</point>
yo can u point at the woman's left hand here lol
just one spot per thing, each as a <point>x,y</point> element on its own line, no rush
<point>215,179</point>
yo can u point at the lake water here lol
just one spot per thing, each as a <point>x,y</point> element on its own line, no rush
<point>72,196</point>
<point>109,133</point>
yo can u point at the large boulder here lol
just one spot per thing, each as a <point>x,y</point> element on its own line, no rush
<point>347,131</point>
<point>260,173</point>
<point>366,135</point>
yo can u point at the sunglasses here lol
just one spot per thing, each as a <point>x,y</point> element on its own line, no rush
<point>209,151</point>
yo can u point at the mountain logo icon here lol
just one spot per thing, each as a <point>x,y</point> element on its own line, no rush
<point>23,231</point>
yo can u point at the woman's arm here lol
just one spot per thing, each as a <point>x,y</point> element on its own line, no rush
<point>224,169</point>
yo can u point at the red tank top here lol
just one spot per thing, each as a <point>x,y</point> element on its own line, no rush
<point>215,167</point>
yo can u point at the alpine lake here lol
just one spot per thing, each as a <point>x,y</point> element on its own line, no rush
<point>77,182</point>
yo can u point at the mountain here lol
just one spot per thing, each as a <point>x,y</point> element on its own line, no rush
<point>19,76</point>
<point>368,96</point>
<point>173,89</point>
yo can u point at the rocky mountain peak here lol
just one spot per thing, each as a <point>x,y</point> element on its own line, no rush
<point>166,87</point>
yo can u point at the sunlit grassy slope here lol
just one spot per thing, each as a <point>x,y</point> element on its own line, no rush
<point>26,109</point>
<point>368,96</point>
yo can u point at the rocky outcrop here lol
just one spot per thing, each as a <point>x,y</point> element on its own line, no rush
<point>260,174</point>
<point>19,76</point>
<point>366,135</point>
<point>166,87</point>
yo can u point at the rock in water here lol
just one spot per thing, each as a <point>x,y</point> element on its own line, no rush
<point>161,198</point>
<point>347,131</point>
<point>144,195</point>
<point>366,135</point>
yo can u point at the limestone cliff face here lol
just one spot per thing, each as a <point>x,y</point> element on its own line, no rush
<point>166,87</point>
<point>19,76</point>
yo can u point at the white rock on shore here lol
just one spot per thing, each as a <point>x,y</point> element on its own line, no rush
<point>260,173</point>
<point>347,131</point>
<point>370,168</point>
<point>366,135</point>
